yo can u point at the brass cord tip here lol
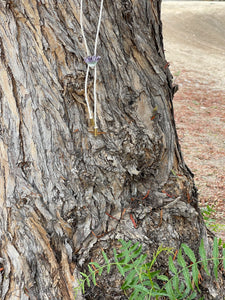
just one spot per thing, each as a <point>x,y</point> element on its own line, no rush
<point>92,122</point>
<point>95,131</point>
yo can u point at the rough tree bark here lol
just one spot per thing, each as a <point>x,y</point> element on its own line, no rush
<point>59,184</point>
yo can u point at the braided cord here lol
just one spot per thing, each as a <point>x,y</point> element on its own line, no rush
<point>88,53</point>
<point>98,28</point>
<point>88,67</point>
<point>86,93</point>
<point>95,71</point>
<point>82,27</point>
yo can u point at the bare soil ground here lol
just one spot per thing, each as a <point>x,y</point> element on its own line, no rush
<point>194,41</point>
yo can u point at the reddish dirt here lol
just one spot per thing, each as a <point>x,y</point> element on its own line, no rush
<point>200,120</point>
<point>194,42</point>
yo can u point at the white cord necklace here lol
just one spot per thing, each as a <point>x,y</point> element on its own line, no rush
<point>91,63</point>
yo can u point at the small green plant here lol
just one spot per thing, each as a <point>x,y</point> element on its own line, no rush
<point>210,222</point>
<point>207,213</point>
<point>142,282</point>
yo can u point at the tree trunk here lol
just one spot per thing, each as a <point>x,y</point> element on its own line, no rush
<point>65,193</point>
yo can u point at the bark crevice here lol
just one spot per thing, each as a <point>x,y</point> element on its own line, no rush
<point>65,193</point>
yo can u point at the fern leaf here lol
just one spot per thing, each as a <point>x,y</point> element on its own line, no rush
<point>185,271</point>
<point>153,274</point>
<point>81,283</point>
<point>195,274</point>
<point>175,279</point>
<point>95,264</point>
<point>169,290</point>
<point>126,267</point>
<point>186,293</point>
<point>86,278</point>
<point>82,287</point>
<point>93,277</point>
<point>106,261</point>
<point>158,293</point>
<point>84,275</point>
<point>105,257</point>
<point>153,285</point>
<point>215,257</point>
<point>182,287</point>
<point>140,260</point>
<point>129,278</point>
<point>119,267</point>
<point>134,247</point>
<point>134,295</point>
<point>175,282</point>
<point>193,296</point>
<point>156,286</point>
<point>100,271</point>
<point>136,253</point>
<point>203,256</point>
<point>189,252</point>
<point>130,253</point>
<point>141,289</point>
<point>125,245</point>
<point>124,254</point>
<point>162,277</point>
<point>147,283</point>
<point>172,267</point>
<point>90,269</point>
<point>92,272</point>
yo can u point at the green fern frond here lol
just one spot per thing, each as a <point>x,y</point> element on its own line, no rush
<point>185,270</point>
<point>144,282</point>
<point>120,268</point>
<point>172,267</point>
<point>87,279</point>
<point>195,274</point>
<point>189,252</point>
<point>192,296</point>
<point>216,257</point>
<point>129,278</point>
<point>191,255</point>
<point>95,264</point>
<point>106,261</point>
<point>170,290</point>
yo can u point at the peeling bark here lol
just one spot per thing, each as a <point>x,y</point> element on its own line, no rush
<point>59,184</point>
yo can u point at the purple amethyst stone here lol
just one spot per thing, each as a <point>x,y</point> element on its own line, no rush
<point>92,60</point>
